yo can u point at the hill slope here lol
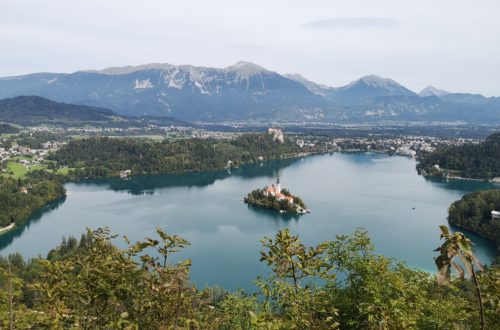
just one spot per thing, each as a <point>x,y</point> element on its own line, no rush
<point>35,110</point>
<point>27,110</point>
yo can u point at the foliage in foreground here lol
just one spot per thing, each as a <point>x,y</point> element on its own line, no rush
<point>93,284</point>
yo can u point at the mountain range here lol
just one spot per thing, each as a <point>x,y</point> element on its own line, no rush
<point>246,91</point>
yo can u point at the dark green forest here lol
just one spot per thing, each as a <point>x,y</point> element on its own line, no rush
<point>338,284</point>
<point>35,110</point>
<point>8,129</point>
<point>473,213</point>
<point>20,198</point>
<point>476,161</point>
<point>101,156</point>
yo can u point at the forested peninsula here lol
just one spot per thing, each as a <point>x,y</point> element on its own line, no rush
<point>103,157</point>
<point>473,213</point>
<point>20,198</point>
<point>473,161</point>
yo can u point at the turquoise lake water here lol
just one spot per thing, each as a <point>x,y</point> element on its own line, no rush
<point>400,209</point>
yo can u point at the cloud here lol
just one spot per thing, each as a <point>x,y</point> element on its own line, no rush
<point>352,23</point>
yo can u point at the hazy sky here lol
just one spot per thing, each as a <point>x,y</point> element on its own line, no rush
<point>450,44</point>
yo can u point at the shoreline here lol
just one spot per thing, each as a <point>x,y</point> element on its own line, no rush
<point>459,178</point>
<point>7,228</point>
<point>67,178</point>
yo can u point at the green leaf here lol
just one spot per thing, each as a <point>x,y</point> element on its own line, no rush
<point>445,232</point>
<point>464,245</point>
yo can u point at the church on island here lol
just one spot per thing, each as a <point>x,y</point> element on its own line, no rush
<point>273,197</point>
<point>275,191</point>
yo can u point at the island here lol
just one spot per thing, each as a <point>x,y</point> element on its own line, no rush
<point>274,198</point>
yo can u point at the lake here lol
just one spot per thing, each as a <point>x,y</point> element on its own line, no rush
<point>400,209</point>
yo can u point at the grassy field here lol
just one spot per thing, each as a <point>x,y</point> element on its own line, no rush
<point>7,135</point>
<point>38,167</point>
<point>19,169</point>
<point>64,171</point>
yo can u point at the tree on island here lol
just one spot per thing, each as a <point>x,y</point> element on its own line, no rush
<point>259,198</point>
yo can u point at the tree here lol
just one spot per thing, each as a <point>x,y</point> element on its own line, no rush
<point>372,291</point>
<point>336,284</point>
<point>292,262</point>
<point>457,245</point>
<point>169,289</point>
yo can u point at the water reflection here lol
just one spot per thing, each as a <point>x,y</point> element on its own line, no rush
<point>462,185</point>
<point>8,238</point>
<point>272,215</point>
<point>147,184</point>
<point>354,159</point>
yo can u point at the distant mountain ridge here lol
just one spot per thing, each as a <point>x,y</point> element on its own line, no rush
<point>35,109</point>
<point>247,91</point>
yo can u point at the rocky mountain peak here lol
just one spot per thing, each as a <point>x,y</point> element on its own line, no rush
<point>246,69</point>
<point>432,91</point>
